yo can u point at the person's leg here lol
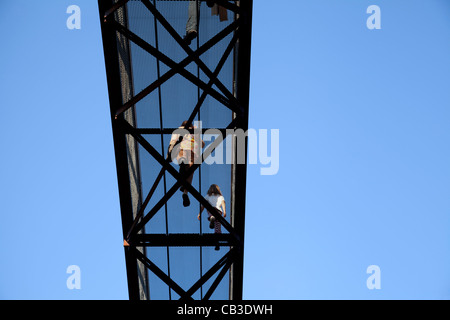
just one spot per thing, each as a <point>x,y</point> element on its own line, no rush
<point>185,163</point>
<point>217,230</point>
<point>211,219</point>
<point>190,158</point>
<point>189,179</point>
<point>192,22</point>
<point>217,227</point>
<point>182,162</point>
<point>186,201</point>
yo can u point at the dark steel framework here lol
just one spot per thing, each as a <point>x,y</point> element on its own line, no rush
<point>127,137</point>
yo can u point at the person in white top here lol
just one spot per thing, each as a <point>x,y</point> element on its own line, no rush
<point>216,199</point>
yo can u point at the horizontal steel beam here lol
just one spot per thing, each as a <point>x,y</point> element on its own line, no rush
<point>183,240</point>
<point>172,130</point>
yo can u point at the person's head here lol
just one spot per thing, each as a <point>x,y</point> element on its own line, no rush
<point>187,125</point>
<point>214,190</point>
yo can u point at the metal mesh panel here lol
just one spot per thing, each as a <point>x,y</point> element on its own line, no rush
<point>178,96</point>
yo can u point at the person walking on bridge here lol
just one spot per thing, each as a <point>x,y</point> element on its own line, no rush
<point>215,198</point>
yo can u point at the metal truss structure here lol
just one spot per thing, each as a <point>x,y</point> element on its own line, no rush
<point>130,140</point>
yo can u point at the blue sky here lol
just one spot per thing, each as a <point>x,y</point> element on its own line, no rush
<point>363,178</point>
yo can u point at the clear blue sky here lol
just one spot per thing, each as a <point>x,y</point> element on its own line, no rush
<point>364,174</point>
